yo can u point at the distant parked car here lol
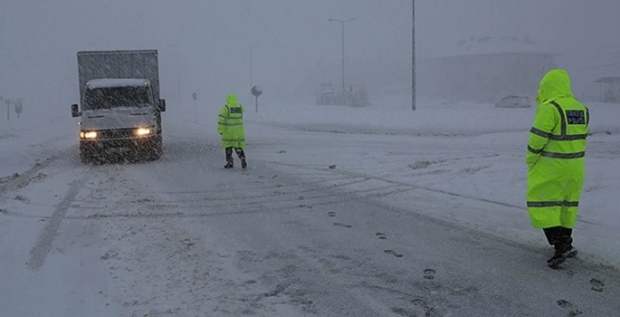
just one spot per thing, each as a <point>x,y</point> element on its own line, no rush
<point>326,95</point>
<point>356,96</point>
<point>514,101</point>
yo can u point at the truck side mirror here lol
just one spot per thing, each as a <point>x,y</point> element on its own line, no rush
<point>162,105</point>
<point>74,110</point>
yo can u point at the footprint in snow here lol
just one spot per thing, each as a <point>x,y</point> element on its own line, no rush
<point>419,302</point>
<point>429,274</point>
<point>394,253</point>
<point>568,305</point>
<point>597,285</point>
<point>342,225</point>
<point>428,311</point>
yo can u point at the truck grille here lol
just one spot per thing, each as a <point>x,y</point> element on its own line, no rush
<point>116,134</point>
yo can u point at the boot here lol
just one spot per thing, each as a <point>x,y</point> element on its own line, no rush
<point>241,155</point>
<point>553,235</point>
<point>563,248</point>
<point>555,261</point>
<point>566,245</point>
<point>229,158</point>
<point>561,255</point>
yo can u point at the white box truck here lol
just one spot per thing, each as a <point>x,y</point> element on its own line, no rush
<point>120,104</point>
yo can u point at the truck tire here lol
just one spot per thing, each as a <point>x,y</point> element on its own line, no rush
<point>86,157</point>
<point>155,151</point>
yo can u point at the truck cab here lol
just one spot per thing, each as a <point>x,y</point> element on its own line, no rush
<point>119,116</point>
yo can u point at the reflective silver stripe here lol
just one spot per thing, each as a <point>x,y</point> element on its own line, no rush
<point>563,155</point>
<point>569,137</point>
<point>562,117</point>
<point>233,140</point>
<point>541,133</point>
<point>554,137</point>
<point>543,204</point>
<point>533,150</point>
<point>562,137</point>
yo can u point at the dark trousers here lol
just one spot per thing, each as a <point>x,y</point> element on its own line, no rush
<point>239,151</point>
<point>559,237</point>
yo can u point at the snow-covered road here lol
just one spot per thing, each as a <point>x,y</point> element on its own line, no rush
<point>316,226</point>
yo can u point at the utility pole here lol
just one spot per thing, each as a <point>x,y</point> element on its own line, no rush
<point>342,24</point>
<point>413,79</point>
<point>7,107</point>
<point>178,78</point>
<point>176,48</point>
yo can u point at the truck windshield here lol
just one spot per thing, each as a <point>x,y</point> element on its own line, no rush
<point>116,97</point>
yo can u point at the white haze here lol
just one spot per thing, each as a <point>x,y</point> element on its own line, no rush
<point>342,211</point>
<point>206,46</point>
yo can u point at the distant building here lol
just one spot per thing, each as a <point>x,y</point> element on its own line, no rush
<point>609,88</point>
<point>486,69</point>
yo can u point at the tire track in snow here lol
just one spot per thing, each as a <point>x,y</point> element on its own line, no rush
<point>206,205</point>
<point>395,182</point>
<point>18,181</point>
<point>39,253</point>
<point>430,189</point>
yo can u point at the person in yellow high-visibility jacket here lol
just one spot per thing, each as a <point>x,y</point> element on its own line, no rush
<point>555,158</point>
<point>230,127</point>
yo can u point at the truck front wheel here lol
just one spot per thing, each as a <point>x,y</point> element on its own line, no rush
<point>86,157</point>
<point>155,151</point>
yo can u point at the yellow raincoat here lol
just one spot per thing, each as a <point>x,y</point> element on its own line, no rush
<point>556,153</point>
<point>230,123</point>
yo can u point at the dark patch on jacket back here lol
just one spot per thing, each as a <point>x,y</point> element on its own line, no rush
<point>576,117</point>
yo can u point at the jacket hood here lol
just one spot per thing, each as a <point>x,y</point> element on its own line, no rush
<point>555,84</point>
<point>231,100</point>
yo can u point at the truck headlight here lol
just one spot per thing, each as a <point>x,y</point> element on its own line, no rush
<point>88,134</point>
<point>143,131</point>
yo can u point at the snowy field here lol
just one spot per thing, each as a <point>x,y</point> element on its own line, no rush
<point>294,234</point>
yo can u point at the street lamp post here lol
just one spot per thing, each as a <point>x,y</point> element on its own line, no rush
<point>413,79</point>
<point>251,61</point>
<point>252,87</point>
<point>342,24</point>
<point>176,48</point>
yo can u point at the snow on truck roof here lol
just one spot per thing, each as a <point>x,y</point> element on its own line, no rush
<point>116,82</point>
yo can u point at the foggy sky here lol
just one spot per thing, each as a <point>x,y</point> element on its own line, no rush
<point>205,46</point>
